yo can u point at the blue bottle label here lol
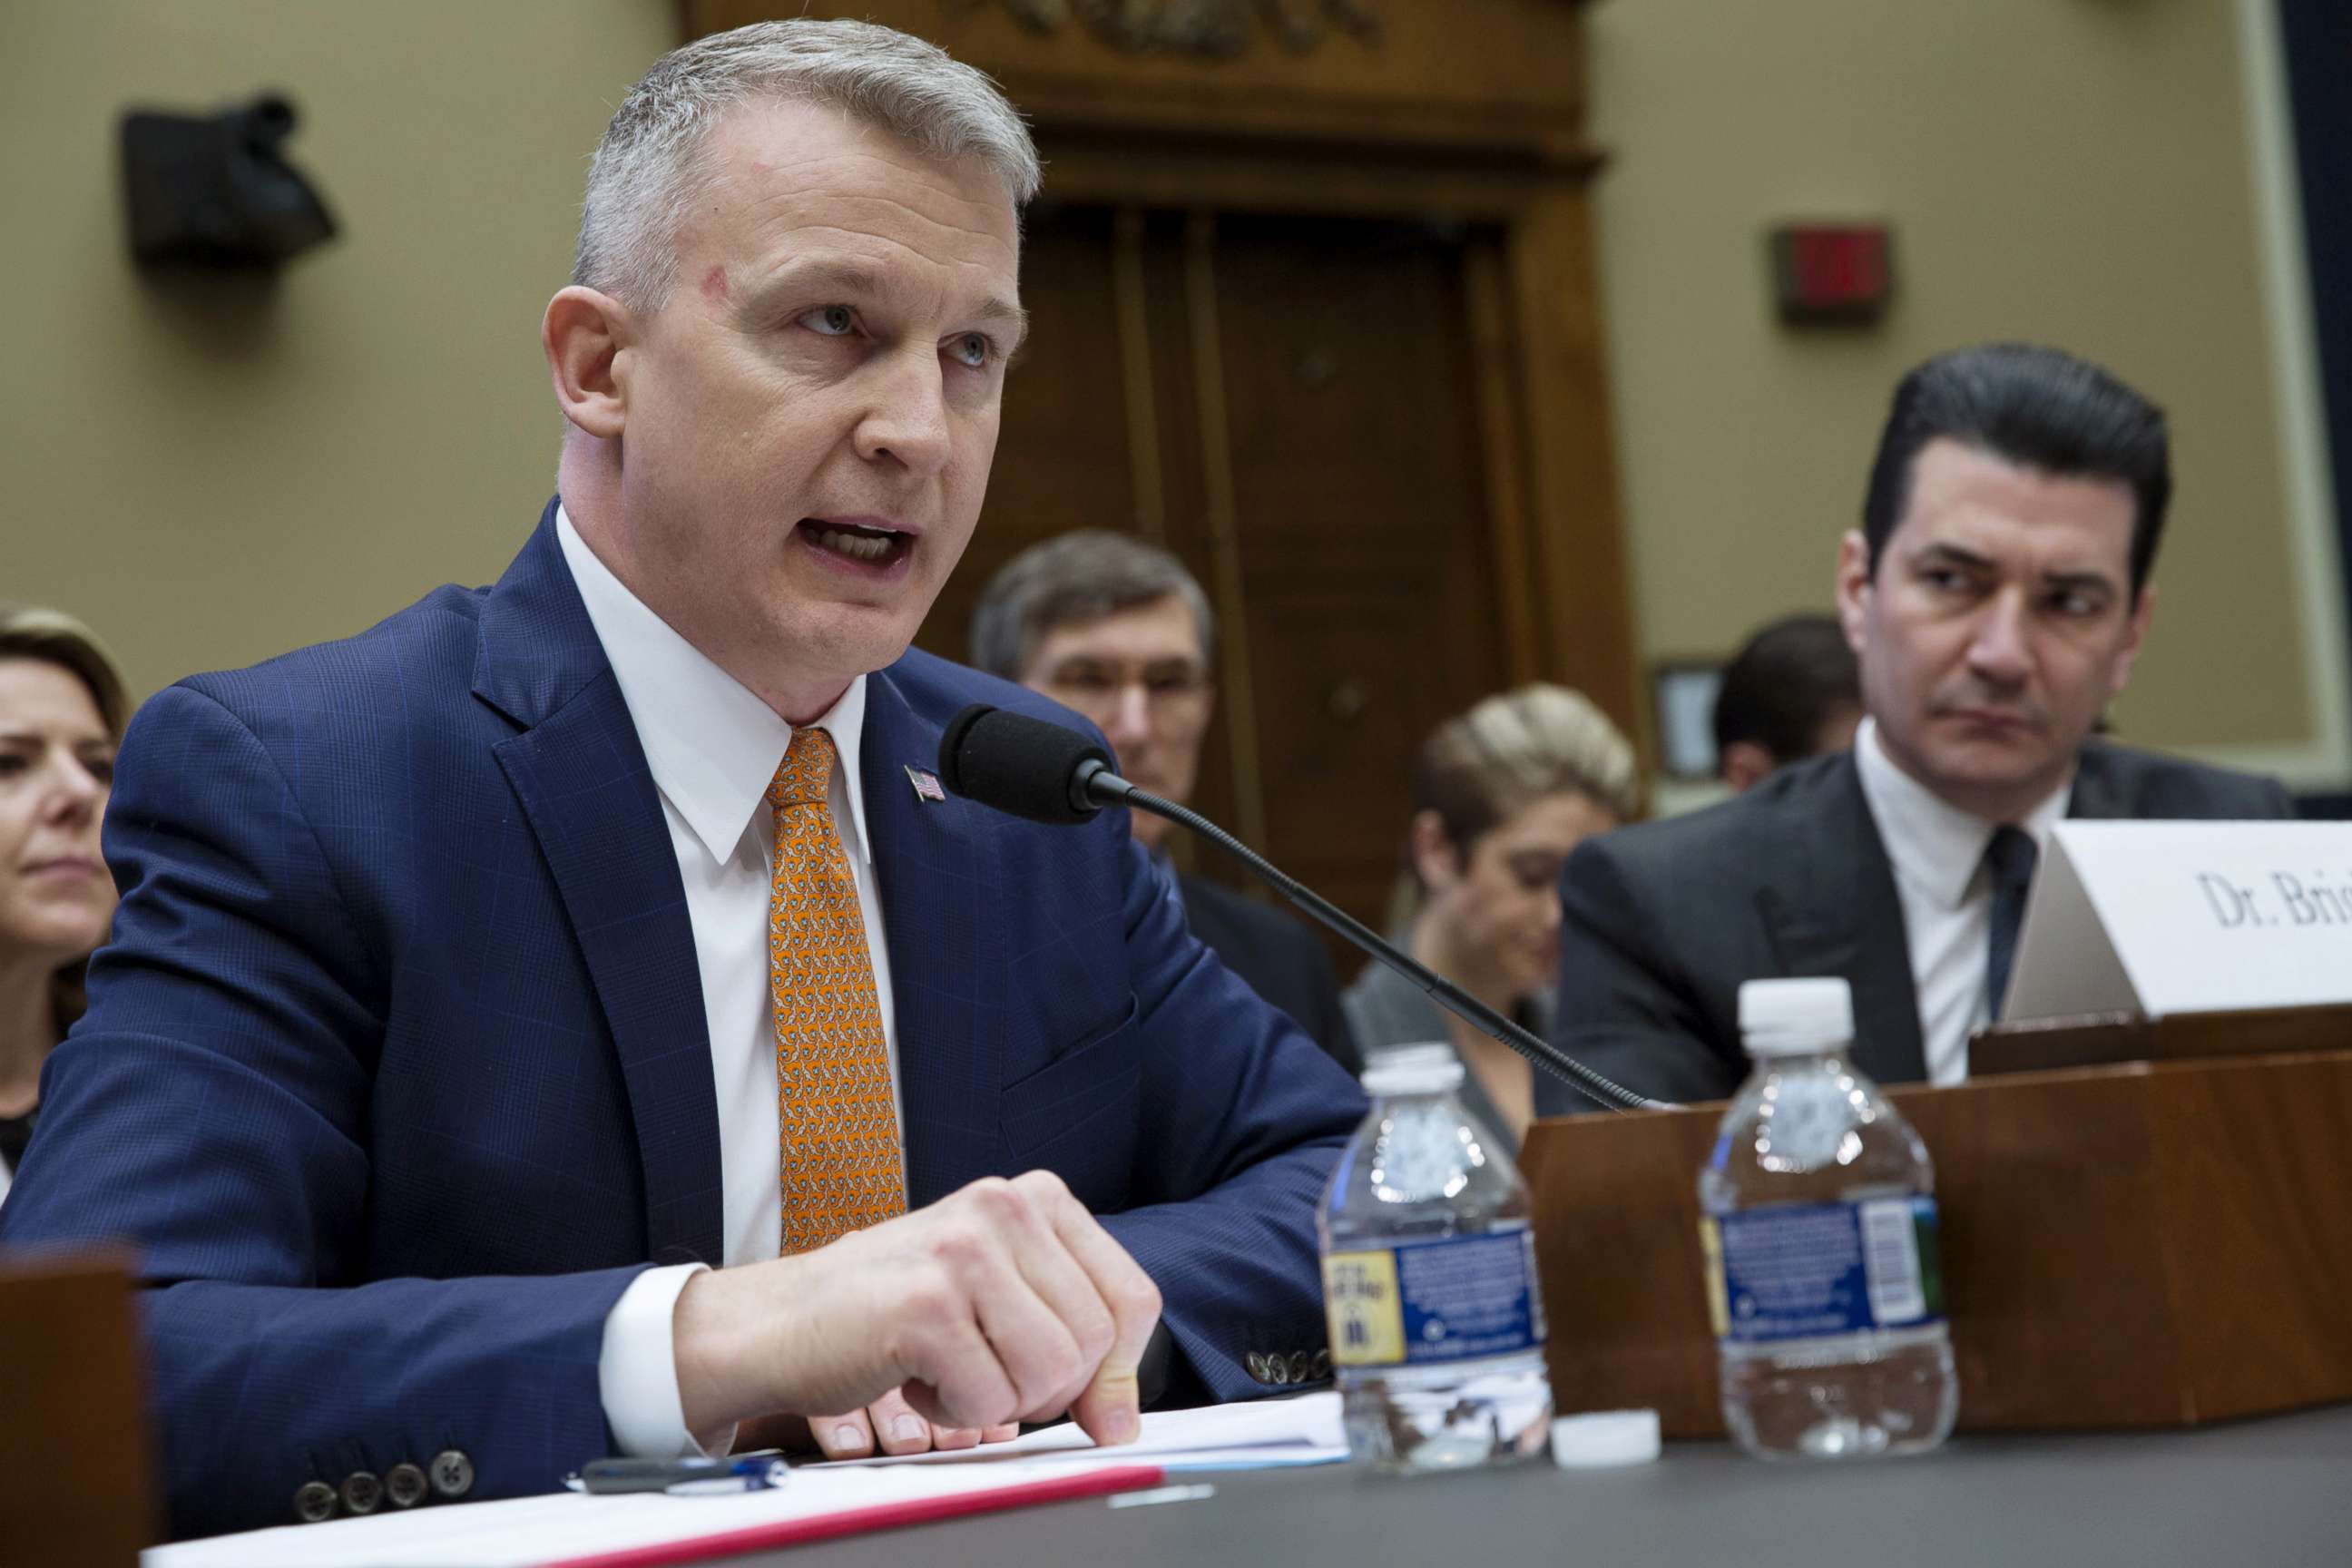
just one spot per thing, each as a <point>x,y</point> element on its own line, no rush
<point>1806,1270</point>
<point>1457,1299</point>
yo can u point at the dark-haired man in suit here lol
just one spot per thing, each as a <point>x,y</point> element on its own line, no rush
<point>1997,594</point>
<point>1793,690</point>
<point>1119,631</point>
<point>570,1017</point>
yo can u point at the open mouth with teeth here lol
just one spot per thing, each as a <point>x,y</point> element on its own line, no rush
<point>870,546</point>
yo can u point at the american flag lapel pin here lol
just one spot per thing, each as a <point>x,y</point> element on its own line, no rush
<point>926,785</point>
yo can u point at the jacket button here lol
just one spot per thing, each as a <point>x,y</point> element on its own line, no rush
<point>361,1492</point>
<point>403,1485</point>
<point>1258,1368</point>
<point>1301,1368</point>
<point>1322,1364</point>
<point>453,1473</point>
<point>315,1503</point>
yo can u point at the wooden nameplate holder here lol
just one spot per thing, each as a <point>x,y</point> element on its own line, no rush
<point>75,1476</point>
<point>2148,1243</point>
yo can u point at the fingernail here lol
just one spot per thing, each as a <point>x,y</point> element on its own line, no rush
<point>909,1429</point>
<point>1121,1424</point>
<point>849,1434</point>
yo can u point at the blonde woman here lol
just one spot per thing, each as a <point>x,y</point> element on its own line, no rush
<point>1501,795</point>
<point>61,712</point>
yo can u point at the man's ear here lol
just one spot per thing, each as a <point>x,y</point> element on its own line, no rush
<point>2135,636</point>
<point>1744,763</point>
<point>585,335</point>
<point>1853,588</point>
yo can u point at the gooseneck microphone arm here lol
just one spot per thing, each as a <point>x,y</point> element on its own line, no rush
<point>1108,788</point>
<point>1048,773</point>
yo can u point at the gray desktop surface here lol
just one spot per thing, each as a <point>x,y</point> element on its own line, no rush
<point>2256,1494</point>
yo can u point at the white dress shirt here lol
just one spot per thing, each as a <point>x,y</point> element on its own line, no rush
<point>713,748</point>
<point>1938,852</point>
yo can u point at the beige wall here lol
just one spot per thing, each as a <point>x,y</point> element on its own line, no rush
<point>210,475</point>
<point>2074,171</point>
<point>214,471</point>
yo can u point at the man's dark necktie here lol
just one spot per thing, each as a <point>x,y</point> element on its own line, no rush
<point>2009,859</point>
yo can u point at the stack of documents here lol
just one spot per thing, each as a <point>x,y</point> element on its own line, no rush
<point>570,1529</point>
<point>1304,1430</point>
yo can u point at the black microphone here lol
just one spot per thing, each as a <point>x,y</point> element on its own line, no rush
<point>1048,773</point>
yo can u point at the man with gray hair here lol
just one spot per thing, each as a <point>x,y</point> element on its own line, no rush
<point>569,1019</point>
<point>1117,631</point>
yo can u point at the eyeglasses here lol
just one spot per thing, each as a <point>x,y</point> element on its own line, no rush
<point>1171,690</point>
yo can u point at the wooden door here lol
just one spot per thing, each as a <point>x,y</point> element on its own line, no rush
<point>1290,404</point>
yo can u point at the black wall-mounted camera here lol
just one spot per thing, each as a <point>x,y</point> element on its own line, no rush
<point>213,191</point>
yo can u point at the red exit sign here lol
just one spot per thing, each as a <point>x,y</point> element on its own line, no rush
<point>1831,272</point>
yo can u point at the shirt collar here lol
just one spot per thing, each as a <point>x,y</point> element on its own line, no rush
<point>1932,843</point>
<point>711,746</point>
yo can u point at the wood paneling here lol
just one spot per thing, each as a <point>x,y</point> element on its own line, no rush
<point>75,1485</point>
<point>1302,391</point>
<point>2149,1245</point>
<point>2036,1045</point>
<point>1464,74</point>
<point>1365,564</point>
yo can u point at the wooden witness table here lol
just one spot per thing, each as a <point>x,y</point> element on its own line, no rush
<point>2149,1244</point>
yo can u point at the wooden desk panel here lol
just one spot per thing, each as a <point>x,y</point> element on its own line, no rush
<point>2144,1245</point>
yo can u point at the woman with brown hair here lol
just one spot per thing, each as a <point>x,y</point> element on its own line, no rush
<point>61,712</point>
<point>1501,795</point>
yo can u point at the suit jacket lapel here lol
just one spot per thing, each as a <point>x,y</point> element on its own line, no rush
<point>931,863</point>
<point>580,776</point>
<point>1848,921</point>
<point>2094,797</point>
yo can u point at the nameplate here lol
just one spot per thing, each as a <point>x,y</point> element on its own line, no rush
<point>2185,917</point>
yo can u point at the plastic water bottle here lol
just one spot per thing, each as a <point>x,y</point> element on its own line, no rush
<point>1429,1280</point>
<point>1820,1235</point>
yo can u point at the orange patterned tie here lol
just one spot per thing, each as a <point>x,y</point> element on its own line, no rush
<point>838,1133</point>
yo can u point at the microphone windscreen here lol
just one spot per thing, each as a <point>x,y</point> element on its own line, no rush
<point>1016,764</point>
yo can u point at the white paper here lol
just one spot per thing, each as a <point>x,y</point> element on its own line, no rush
<point>523,1531</point>
<point>2187,916</point>
<point>1304,1429</point>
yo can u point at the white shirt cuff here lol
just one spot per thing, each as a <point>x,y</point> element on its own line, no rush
<point>637,1371</point>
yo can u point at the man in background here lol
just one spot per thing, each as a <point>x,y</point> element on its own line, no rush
<point>1794,691</point>
<point>1118,631</point>
<point>1997,595</point>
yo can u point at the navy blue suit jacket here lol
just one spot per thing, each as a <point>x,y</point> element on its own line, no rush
<point>396,1073</point>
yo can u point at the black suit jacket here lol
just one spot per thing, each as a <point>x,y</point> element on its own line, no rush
<point>1280,957</point>
<point>1661,922</point>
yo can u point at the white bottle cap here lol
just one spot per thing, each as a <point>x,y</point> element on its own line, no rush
<point>1795,1017</point>
<point>1430,1068</point>
<point>1605,1438</point>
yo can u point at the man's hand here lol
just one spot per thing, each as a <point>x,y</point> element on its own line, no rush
<point>891,1426</point>
<point>1001,1303</point>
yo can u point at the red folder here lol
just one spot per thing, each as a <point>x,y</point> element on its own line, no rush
<point>883,1516</point>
